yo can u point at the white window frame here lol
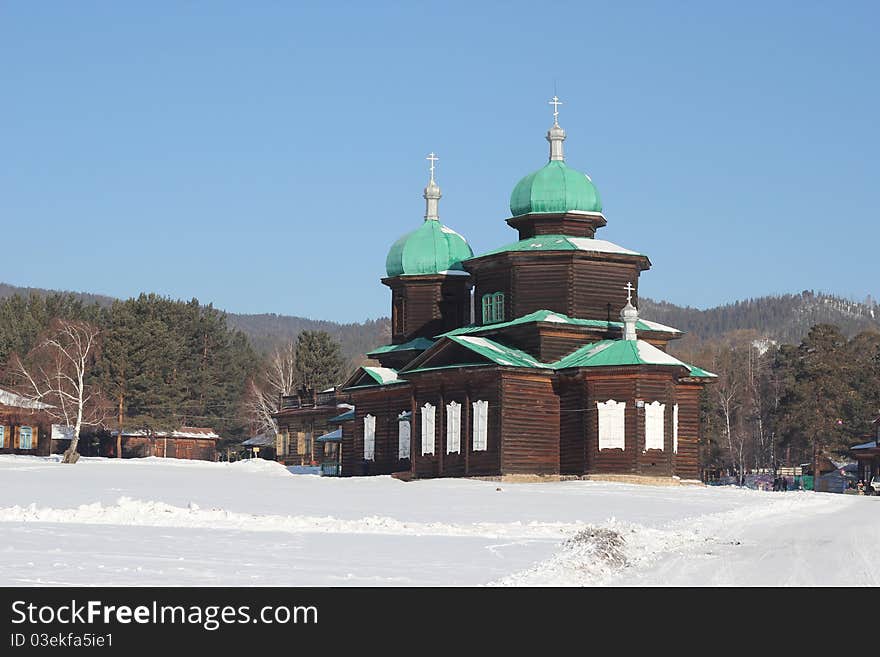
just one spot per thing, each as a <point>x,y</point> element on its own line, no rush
<point>612,424</point>
<point>481,425</point>
<point>429,429</point>
<point>453,428</point>
<point>404,435</point>
<point>30,437</point>
<point>655,426</point>
<point>2,437</point>
<point>369,438</point>
<point>675,428</point>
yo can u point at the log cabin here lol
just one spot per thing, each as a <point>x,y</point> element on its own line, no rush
<point>25,426</point>
<point>867,455</point>
<point>198,443</point>
<point>304,423</point>
<point>529,359</point>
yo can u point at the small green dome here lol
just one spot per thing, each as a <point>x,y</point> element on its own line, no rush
<point>430,249</point>
<point>555,188</point>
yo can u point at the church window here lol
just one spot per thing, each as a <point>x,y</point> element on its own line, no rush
<point>399,310</point>
<point>611,424</point>
<point>428,429</point>
<point>675,429</point>
<point>369,438</point>
<point>25,438</point>
<point>493,307</point>
<point>403,436</point>
<point>655,415</point>
<point>453,428</point>
<point>481,422</point>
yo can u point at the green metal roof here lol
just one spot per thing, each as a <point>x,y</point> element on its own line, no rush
<point>419,344</point>
<point>430,249</point>
<point>343,417</point>
<point>497,352</point>
<point>564,243</point>
<point>558,318</point>
<point>616,353</point>
<point>555,188</point>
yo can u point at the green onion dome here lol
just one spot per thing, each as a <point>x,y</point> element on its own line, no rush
<point>430,249</point>
<point>555,188</point>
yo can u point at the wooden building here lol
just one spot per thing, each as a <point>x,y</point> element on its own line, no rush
<point>25,427</point>
<point>868,455</point>
<point>198,443</point>
<point>303,418</point>
<point>529,359</point>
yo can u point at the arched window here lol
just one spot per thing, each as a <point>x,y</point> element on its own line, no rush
<point>493,307</point>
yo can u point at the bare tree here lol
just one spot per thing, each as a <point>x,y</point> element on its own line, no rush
<point>279,378</point>
<point>57,373</point>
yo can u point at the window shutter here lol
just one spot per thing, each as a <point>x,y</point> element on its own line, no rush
<point>655,419</point>
<point>16,439</point>
<point>369,438</point>
<point>453,428</point>
<point>612,424</point>
<point>481,417</point>
<point>675,429</point>
<point>428,429</point>
<point>35,433</point>
<point>403,432</point>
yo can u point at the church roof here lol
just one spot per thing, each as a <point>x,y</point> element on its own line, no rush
<point>550,316</point>
<point>565,243</point>
<point>418,344</point>
<point>554,188</point>
<point>430,249</point>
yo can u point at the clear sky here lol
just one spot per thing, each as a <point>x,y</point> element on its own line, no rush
<point>264,156</point>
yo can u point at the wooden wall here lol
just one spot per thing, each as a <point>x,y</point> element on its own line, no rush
<point>463,386</point>
<point>573,422</point>
<point>598,288</point>
<point>385,403</point>
<point>650,384</point>
<point>14,418</point>
<point>173,448</point>
<point>687,461</point>
<point>434,304</point>
<point>529,423</point>
<point>569,282</point>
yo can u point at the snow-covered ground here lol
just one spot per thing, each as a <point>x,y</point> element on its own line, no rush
<point>173,522</point>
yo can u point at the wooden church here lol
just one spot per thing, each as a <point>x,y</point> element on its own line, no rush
<point>529,359</point>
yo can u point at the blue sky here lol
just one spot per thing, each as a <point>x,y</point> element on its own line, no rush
<point>263,156</point>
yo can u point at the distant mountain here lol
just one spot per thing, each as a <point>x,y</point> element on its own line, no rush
<point>785,318</point>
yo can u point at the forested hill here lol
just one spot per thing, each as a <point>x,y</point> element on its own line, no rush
<point>264,330</point>
<point>786,318</point>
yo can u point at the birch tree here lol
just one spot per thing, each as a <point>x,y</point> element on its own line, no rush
<point>264,396</point>
<point>57,373</point>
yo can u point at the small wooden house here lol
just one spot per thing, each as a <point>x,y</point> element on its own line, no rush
<point>198,443</point>
<point>25,427</point>
<point>303,418</point>
<point>867,455</point>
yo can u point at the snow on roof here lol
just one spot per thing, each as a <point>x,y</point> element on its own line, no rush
<point>382,374</point>
<point>869,445</point>
<point>651,355</point>
<point>18,401</point>
<point>184,432</point>
<point>260,440</point>
<point>330,437</point>
<point>657,326</point>
<point>453,272</point>
<point>602,246</point>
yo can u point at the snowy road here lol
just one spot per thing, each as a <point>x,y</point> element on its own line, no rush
<point>169,522</point>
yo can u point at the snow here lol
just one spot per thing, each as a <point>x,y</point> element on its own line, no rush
<point>602,246</point>
<point>656,326</point>
<point>385,374</point>
<point>651,355</point>
<point>174,522</point>
<point>17,401</point>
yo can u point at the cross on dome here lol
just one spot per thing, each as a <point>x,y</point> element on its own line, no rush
<point>433,158</point>
<point>556,103</point>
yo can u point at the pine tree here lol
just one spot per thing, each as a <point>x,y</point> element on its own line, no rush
<point>319,361</point>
